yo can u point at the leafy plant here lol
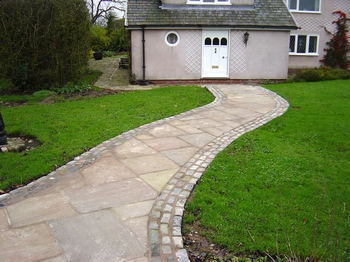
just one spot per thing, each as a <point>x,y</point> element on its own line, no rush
<point>320,74</point>
<point>99,39</point>
<point>120,40</point>
<point>71,88</point>
<point>339,46</point>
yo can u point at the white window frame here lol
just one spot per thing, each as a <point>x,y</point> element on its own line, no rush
<point>215,2</point>
<point>303,11</point>
<point>307,53</point>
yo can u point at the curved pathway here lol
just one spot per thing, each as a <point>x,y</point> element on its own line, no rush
<point>124,199</point>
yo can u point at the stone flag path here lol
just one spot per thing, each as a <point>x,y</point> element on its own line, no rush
<point>124,199</point>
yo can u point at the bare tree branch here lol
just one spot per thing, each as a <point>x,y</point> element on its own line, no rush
<point>100,8</point>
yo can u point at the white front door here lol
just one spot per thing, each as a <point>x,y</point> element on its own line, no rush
<point>215,53</point>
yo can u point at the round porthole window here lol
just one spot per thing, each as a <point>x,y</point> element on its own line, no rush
<point>172,38</point>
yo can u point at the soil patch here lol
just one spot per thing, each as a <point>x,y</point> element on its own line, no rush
<point>79,96</point>
<point>67,97</point>
<point>200,249</point>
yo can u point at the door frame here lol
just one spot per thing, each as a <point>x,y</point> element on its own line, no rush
<point>224,72</point>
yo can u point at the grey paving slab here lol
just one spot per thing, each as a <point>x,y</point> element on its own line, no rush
<point>192,117</point>
<point>133,148</point>
<point>215,131</point>
<point>4,223</point>
<point>202,123</point>
<point>32,243</point>
<point>97,236</point>
<point>166,130</point>
<point>69,182</point>
<point>105,170</point>
<point>38,209</point>
<point>219,115</point>
<point>198,140</point>
<point>138,209</point>
<point>148,164</point>
<point>189,129</point>
<point>165,143</point>
<point>180,155</point>
<point>109,195</point>
<point>137,226</point>
<point>159,179</point>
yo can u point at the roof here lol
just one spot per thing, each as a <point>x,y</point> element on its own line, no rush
<point>264,14</point>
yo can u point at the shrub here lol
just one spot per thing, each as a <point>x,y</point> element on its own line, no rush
<point>321,74</point>
<point>99,39</point>
<point>308,75</point>
<point>120,40</point>
<point>43,42</point>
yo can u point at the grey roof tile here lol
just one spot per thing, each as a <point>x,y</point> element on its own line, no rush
<point>265,13</point>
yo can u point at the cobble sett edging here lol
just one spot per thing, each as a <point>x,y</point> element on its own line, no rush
<point>93,154</point>
<point>165,220</point>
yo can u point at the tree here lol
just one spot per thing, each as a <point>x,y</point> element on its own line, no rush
<point>100,8</point>
<point>43,42</point>
<point>337,55</point>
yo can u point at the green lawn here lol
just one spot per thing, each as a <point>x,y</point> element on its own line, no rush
<point>66,129</point>
<point>284,189</point>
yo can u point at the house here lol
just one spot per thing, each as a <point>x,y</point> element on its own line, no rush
<point>209,39</point>
<point>314,18</point>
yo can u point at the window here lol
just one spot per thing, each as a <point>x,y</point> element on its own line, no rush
<point>172,38</point>
<point>303,44</point>
<point>208,2</point>
<point>304,5</point>
<point>216,41</point>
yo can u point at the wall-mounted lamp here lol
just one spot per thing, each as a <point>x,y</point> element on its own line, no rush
<point>245,38</point>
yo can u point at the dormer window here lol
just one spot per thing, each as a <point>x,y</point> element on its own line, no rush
<point>304,5</point>
<point>208,2</point>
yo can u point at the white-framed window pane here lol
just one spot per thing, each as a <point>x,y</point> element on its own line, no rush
<point>207,41</point>
<point>309,5</point>
<point>313,44</point>
<point>172,38</point>
<point>216,41</point>
<point>292,4</point>
<point>292,44</point>
<point>223,41</point>
<point>301,45</point>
